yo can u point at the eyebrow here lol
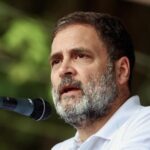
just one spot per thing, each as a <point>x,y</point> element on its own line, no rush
<point>80,50</point>
<point>55,55</point>
<point>74,50</point>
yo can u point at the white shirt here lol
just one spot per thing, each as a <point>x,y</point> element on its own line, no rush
<point>127,129</point>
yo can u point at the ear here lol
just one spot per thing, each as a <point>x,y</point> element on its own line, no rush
<point>122,70</point>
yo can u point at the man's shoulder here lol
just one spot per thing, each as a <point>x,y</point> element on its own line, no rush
<point>61,145</point>
<point>141,114</point>
<point>139,120</point>
<point>136,110</point>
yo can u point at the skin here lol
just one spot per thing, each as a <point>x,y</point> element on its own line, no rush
<point>77,50</point>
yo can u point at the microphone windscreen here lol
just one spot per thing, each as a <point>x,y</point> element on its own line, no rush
<point>42,109</point>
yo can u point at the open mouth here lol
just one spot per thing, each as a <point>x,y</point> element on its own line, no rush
<point>67,89</point>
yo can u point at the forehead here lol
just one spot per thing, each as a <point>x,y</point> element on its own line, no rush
<point>74,36</point>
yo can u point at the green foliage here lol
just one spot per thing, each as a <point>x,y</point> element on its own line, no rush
<point>26,40</point>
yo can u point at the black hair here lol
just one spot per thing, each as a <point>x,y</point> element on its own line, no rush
<point>110,30</point>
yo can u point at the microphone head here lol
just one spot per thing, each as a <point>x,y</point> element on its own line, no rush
<point>42,109</point>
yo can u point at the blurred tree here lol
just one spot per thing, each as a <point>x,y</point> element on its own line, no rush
<point>26,42</point>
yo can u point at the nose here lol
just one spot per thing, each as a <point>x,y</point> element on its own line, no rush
<point>66,68</point>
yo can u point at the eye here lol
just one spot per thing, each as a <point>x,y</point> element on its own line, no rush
<point>55,62</point>
<point>77,56</point>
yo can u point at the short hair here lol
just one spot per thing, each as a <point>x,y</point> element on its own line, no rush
<point>109,29</point>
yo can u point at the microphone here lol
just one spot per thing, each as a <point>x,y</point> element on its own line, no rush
<point>37,108</point>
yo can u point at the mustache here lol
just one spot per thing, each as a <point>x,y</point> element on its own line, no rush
<point>69,81</point>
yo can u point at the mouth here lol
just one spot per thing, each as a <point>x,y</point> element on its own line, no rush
<point>68,89</point>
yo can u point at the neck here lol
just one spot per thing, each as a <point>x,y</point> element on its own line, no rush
<point>90,128</point>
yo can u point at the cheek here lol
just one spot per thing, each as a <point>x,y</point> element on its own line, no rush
<point>86,75</point>
<point>54,80</point>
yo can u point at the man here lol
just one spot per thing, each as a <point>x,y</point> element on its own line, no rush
<point>92,60</point>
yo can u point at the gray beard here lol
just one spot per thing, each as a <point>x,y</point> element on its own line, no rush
<point>97,96</point>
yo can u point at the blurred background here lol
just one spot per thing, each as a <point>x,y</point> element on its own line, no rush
<point>25,35</point>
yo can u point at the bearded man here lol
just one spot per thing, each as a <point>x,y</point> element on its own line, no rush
<point>92,61</point>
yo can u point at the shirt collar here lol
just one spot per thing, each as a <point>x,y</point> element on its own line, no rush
<point>118,119</point>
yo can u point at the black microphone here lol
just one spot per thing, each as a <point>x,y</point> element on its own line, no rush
<point>37,108</point>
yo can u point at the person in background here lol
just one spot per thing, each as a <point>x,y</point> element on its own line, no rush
<point>92,60</point>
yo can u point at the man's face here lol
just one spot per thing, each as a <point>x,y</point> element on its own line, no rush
<point>80,72</point>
